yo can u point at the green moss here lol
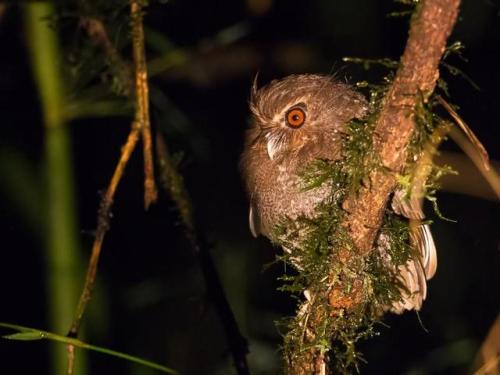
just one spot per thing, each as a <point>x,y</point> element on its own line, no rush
<point>359,157</point>
<point>313,246</point>
<point>426,139</point>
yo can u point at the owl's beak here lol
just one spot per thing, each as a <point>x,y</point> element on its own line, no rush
<point>271,150</point>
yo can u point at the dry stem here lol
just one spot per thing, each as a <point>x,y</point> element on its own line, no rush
<point>102,228</point>
<point>142,101</point>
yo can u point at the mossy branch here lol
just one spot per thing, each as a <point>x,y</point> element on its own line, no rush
<point>417,76</point>
<point>346,291</point>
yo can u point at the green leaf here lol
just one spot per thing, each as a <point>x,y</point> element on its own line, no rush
<point>26,336</point>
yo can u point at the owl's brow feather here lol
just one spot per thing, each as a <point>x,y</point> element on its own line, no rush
<point>327,80</point>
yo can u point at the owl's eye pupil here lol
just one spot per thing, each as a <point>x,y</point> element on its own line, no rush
<point>295,117</point>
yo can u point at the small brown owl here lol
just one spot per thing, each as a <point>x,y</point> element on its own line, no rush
<point>297,120</point>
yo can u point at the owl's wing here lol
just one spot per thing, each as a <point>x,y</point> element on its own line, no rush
<point>415,273</point>
<point>253,221</point>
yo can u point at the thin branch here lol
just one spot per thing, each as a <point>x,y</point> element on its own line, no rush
<point>142,101</point>
<point>121,69</point>
<point>469,180</point>
<point>102,227</point>
<point>475,142</point>
<point>173,183</point>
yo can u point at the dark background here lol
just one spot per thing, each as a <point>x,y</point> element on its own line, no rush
<point>151,295</point>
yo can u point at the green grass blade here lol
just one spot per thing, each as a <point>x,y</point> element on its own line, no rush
<point>30,334</point>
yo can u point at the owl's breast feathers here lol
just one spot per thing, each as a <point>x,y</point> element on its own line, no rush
<point>277,192</point>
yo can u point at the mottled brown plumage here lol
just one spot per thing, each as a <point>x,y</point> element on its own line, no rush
<point>297,120</point>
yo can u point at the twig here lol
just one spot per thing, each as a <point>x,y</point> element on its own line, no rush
<point>489,174</point>
<point>142,101</point>
<point>416,78</point>
<point>480,150</point>
<point>121,69</point>
<point>475,185</point>
<point>102,227</point>
<point>173,183</point>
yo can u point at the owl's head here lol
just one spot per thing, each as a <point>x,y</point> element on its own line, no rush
<point>302,113</point>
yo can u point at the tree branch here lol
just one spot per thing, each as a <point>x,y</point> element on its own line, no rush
<point>415,79</point>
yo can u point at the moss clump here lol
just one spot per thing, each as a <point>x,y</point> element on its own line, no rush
<point>329,270</point>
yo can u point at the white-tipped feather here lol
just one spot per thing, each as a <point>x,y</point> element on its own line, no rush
<point>416,272</point>
<point>430,264</point>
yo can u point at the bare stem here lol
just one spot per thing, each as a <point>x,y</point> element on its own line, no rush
<point>102,228</point>
<point>142,101</point>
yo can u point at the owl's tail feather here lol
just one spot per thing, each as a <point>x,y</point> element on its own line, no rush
<point>414,274</point>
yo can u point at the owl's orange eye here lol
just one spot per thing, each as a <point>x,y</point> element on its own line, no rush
<point>295,117</point>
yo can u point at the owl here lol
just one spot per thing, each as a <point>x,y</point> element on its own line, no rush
<point>295,121</point>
